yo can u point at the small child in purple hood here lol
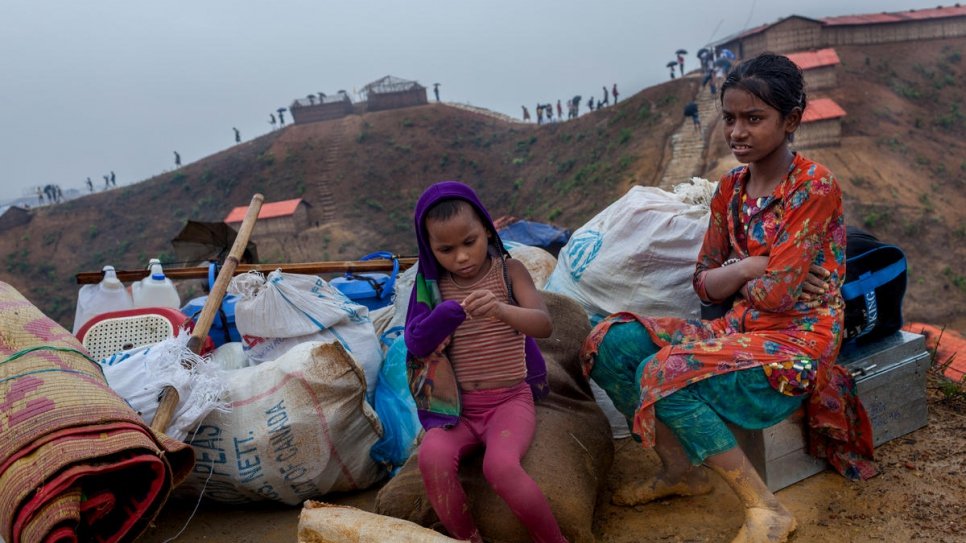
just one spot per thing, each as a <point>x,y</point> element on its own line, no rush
<point>474,309</point>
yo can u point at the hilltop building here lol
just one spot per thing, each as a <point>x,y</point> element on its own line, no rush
<point>287,217</point>
<point>13,216</point>
<point>322,107</point>
<point>818,67</point>
<point>386,93</point>
<point>797,33</point>
<point>821,124</point>
<point>392,93</point>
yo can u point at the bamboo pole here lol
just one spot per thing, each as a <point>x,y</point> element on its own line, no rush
<point>201,272</point>
<point>169,396</point>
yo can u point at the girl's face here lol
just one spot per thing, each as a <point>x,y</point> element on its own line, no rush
<point>754,130</point>
<point>459,244</point>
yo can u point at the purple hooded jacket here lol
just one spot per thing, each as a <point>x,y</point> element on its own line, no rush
<point>430,320</point>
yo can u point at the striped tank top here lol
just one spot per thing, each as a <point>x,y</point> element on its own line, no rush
<point>485,349</point>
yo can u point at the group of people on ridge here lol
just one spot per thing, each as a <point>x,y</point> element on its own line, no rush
<point>775,247</point>
<point>546,111</point>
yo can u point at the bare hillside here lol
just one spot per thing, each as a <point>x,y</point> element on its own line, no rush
<point>901,165</point>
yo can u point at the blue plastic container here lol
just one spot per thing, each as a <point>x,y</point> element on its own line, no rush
<point>218,328</point>
<point>373,290</point>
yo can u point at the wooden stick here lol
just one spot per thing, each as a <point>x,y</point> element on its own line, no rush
<point>201,272</point>
<point>169,396</point>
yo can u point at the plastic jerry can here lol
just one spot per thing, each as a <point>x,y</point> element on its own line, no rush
<point>155,290</point>
<point>108,295</point>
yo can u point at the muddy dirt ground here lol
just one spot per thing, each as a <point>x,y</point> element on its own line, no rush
<point>920,495</point>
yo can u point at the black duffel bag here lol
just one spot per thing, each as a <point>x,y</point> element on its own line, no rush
<point>875,282</point>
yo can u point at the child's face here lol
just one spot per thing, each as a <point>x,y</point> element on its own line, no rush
<point>459,244</point>
<point>753,129</point>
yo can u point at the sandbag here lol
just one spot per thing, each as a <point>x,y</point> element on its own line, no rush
<point>326,523</point>
<point>638,254</point>
<point>538,262</point>
<point>299,427</point>
<point>569,458</point>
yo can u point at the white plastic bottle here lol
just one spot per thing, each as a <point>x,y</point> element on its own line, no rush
<point>155,290</point>
<point>108,295</point>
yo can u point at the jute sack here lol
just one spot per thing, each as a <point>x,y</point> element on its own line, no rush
<point>299,427</point>
<point>569,458</point>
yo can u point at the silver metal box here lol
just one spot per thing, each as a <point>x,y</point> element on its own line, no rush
<point>890,376</point>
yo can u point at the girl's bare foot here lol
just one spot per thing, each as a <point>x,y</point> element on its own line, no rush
<point>766,524</point>
<point>693,483</point>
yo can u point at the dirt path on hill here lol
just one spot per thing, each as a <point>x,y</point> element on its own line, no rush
<point>919,496</point>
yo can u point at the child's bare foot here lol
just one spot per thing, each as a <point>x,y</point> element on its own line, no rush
<point>766,525</point>
<point>693,483</point>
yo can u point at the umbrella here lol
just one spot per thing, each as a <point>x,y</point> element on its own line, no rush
<point>672,64</point>
<point>704,52</point>
<point>204,241</point>
<point>726,53</point>
<point>681,52</point>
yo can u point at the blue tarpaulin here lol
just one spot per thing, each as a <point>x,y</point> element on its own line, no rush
<point>536,234</point>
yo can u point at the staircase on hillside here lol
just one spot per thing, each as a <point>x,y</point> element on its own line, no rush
<point>324,200</point>
<point>688,143</point>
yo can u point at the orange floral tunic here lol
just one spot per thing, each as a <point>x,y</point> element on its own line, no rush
<point>799,224</point>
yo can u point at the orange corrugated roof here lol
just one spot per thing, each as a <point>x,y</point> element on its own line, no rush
<point>268,210</point>
<point>821,109</point>
<point>897,16</point>
<point>807,60</point>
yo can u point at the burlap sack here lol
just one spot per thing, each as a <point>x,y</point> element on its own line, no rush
<point>569,459</point>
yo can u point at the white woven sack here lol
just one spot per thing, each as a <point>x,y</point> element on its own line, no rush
<point>298,428</point>
<point>275,313</point>
<point>636,255</point>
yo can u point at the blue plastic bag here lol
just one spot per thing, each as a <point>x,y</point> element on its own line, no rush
<point>396,409</point>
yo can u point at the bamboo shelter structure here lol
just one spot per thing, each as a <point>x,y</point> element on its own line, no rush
<point>392,93</point>
<point>797,33</point>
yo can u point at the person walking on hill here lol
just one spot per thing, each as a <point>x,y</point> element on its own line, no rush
<point>606,100</point>
<point>691,110</point>
<point>107,181</point>
<point>539,114</point>
<point>177,159</point>
<point>672,70</point>
<point>90,185</point>
<point>436,90</point>
<point>281,116</point>
<point>40,194</point>
<point>237,135</point>
<point>559,110</point>
<point>113,179</point>
<point>590,103</point>
<point>680,63</point>
<point>526,114</point>
<point>272,121</point>
<point>613,92</point>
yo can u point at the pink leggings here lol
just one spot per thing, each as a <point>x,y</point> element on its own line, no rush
<point>503,421</point>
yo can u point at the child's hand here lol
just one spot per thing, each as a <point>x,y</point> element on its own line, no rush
<point>481,304</point>
<point>815,286</point>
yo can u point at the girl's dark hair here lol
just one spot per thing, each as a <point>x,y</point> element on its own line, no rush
<point>774,79</point>
<point>450,207</point>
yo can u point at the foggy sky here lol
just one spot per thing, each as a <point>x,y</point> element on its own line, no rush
<point>90,87</point>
